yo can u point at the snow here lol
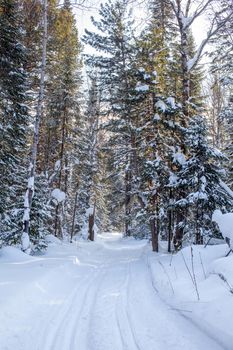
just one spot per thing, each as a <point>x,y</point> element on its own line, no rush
<point>179,157</point>
<point>142,88</point>
<point>225,223</point>
<point>141,70</point>
<point>212,314</point>
<point>173,179</point>
<point>26,214</point>
<point>57,165</point>
<point>194,60</point>
<point>186,21</point>
<point>171,102</point>
<point>59,195</point>
<point>226,188</point>
<point>114,294</point>
<point>31,182</point>
<point>146,76</point>
<point>25,241</point>
<point>89,211</point>
<point>156,117</point>
<point>161,105</point>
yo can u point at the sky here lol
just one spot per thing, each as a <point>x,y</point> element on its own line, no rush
<point>83,19</point>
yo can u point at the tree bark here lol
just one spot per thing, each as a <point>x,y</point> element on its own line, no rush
<point>73,217</point>
<point>154,235</point>
<point>91,223</point>
<point>128,179</point>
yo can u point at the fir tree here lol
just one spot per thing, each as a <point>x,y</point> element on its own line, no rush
<point>14,118</point>
<point>115,41</point>
<point>200,177</point>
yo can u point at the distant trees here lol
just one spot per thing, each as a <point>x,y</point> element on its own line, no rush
<point>155,106</point>
<point>115,41</point>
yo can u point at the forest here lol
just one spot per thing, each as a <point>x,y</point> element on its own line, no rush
<point>140,143</point>
<point>116,174</point>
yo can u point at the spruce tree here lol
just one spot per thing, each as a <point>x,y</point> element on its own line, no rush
<point>200,177</point>
<point>114,41</point>
<point>14,119</point>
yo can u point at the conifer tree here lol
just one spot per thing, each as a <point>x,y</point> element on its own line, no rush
<point>57,131</point>
<point>14,118</point>
<point>227,115</point>
<point>201,178</point>
<point>115,42</point>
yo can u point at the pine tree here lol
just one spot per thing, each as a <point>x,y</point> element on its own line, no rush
<point>157,46</point>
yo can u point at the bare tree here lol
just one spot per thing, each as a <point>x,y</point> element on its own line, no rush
<point>187,12</point>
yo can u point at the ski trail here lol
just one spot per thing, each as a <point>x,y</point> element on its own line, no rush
<point>127,332</point>
<point>103,331</point>
<point>80,328</point>
<point>54,328</point>
<point>110,302</point>
<point>67,334</point>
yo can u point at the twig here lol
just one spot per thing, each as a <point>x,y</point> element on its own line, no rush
<point>223,278</point>
<point>194,275</point>
<point>202,265</point>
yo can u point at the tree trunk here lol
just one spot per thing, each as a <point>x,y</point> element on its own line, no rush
<point>91,223</point>
<point>154,235</point>
<point>32,168</point>
<point>58,228</point>
<point>177,241</point>
<point>73,218</point>
<point>128,179</point>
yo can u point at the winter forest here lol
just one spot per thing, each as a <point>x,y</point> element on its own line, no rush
<point>116,169</point>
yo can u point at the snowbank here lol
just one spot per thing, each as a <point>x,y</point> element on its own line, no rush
<point>12,254</point>
<point>225,223</point>
<point>201,272</point>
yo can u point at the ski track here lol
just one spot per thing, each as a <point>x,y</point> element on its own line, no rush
<point>125,326</point>
<point>114,305</point>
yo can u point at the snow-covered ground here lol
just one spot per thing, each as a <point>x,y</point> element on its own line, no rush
<point>115,294</point>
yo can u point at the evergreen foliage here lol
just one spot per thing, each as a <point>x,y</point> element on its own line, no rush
<point>14,119</point>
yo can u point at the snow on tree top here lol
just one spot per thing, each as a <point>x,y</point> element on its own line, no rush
<point>171,102</point>
<point>59,195</point>
<point>146,76</point>
<point>142,88</point>
<point>179,157</point>
<point>141,70</point>
<point>57,165</point>
<point>161,105</point>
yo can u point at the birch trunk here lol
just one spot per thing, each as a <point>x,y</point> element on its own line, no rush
<point>25,240</point>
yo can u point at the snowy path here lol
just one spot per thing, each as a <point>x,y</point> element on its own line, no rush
<point>92,297</point>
